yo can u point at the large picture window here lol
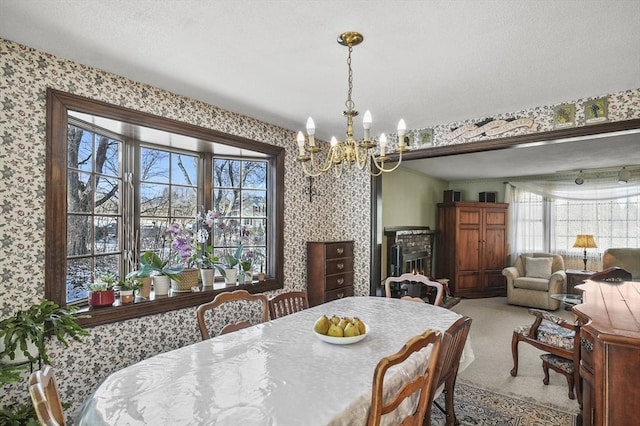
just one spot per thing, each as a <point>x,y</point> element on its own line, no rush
<point>116,179</point>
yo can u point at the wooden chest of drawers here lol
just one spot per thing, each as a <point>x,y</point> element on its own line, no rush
<point>329,270</point>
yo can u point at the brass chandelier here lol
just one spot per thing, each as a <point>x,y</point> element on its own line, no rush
<point>345,154</point>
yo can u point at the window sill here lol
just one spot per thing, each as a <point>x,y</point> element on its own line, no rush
<point>143,307</point>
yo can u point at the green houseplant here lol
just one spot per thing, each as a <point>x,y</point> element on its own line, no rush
<point>101,293</point>
<point>228,268</point>
<point>25,331</point>
<point>126,288</point>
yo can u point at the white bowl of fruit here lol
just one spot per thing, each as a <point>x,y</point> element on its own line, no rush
<point>340,330</point>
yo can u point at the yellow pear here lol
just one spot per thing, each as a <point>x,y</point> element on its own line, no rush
<point>335,319</point>
<point>322,325</point>
<point>335,331</point>
<point>360,325</point>
<point>351,330</point>
<point>343,323</point>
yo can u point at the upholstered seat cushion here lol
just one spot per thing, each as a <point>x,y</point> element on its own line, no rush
<point>558,362</point>
<point>538,284</point>
<point>551,334</point>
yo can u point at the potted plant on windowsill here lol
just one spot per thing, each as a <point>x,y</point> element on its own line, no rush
<point>228,268</point>
<point>151,265</point>
<point>126,288</point>
<point>101,293</point>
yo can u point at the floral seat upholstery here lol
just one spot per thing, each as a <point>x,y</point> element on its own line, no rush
<point>561,365</point>
<point>556,336</point>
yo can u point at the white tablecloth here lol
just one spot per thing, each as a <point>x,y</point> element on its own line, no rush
<point>276,373</point>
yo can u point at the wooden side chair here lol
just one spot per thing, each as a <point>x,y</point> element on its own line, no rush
<point>453,344</point>
<point>554,335</point>
<point>423,383</point>
<point>415,278</point>
<point>226,297</point>
<point>45,397</point>
<point>287,303</point>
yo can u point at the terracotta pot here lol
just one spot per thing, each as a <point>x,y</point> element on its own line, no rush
<point>145,291</point>
<point>101,298</point>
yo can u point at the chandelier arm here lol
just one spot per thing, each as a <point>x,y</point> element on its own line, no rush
<point>380,166</point>
<point>327,163</point>
<point>310,173</point>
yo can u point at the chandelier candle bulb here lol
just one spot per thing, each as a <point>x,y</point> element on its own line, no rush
<point>402,129</point>
<point>366,124</point>
<point>301,144</point>
<point>383,145</point>
<point>311,130</point>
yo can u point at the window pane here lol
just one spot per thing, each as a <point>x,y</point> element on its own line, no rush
<point>107,232</point>
<point>227,232</point>
<point>184,202</point>
<point>154,165</point>
<point>106,264</point>
<point>107,195</point>
<point>151,233</point>
<point>253,232</point>
<point>184,170</point>
<point>78,278</point>
<point>80,149</point>
<point>255,175</point>
<point>227,202</point>
<point>154,200</point>
<point>254,203</point>
<point>78,235</point>
<point>79,187</point>
<point>226,173</point>
<point>107,156</point>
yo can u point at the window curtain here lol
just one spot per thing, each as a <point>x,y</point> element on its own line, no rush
<point>547,215</point>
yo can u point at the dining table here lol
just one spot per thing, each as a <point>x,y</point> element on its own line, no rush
<point>274,373</point>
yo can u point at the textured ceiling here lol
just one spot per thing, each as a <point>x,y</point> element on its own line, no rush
<point>429,62</point>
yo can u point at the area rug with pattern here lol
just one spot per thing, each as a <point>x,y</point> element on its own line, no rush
<point>476,406</point>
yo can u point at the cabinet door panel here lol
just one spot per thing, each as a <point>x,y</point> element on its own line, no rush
<point>468,255</point>
<point>495,254</point>
<point>467,281</point>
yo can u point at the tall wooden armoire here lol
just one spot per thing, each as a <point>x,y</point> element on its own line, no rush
<point>472,248</point>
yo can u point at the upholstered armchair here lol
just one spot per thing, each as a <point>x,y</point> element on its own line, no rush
<point>625,258</point>
<point>534,278</point>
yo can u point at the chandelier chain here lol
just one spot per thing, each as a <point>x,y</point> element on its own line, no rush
<point>349,103</point>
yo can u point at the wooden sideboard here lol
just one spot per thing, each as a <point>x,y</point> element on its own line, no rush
<point>609,351</point>
<point>329,270</point>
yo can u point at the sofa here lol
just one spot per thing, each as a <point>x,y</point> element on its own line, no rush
<point>625,258</point>
<point>533,278</point>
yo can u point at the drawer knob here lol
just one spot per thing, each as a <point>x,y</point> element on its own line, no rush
<point>340,250</point>
<point>340,281</point>
<point>340,295</point>
<point>340,266</point>
<point>586,345</point>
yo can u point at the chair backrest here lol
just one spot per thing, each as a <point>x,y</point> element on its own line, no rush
<point>287,303</point>
<point>230,297</point>
<point>625,258</point>
<point>556,265</point>
<point>452,345</point>
<point>424,382</point>
<point>415,278</point>
<point>45,397</point>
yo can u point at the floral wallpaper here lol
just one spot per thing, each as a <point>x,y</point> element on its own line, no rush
<point>340,210</point>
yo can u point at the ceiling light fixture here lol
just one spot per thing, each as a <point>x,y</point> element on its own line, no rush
<point>580,179</point>
<point>344,154</point>
<point>624,176</point>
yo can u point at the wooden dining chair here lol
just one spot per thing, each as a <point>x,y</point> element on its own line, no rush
<point>227,297</point>
<point>423,382</point>
<point>45,397</point>
<point>453,343</point>
<point>287,303</point>
<point>415,278</point>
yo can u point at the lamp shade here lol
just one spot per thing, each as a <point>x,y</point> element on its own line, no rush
<point>585,241</point>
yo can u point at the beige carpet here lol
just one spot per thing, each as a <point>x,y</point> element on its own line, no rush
<point>491,330</point>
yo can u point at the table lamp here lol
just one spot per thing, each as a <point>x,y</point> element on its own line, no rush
<point>585,241</point>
